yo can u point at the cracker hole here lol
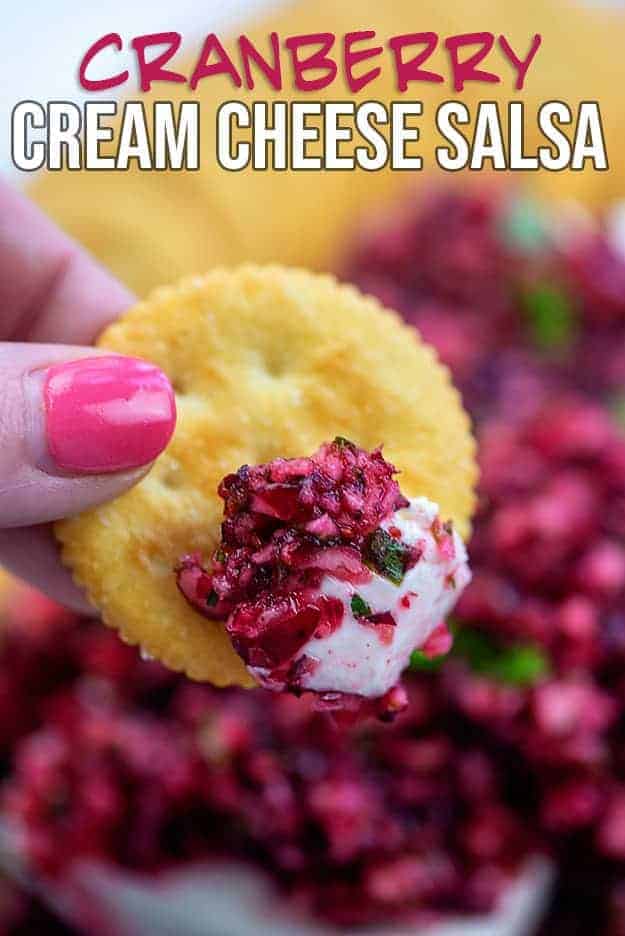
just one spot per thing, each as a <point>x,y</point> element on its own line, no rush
<point>273,363</point>
<point>155,563</point>
<point>180,387</point>
<point>275,368</point>
<point>159,567</point>
<point>172,480</point>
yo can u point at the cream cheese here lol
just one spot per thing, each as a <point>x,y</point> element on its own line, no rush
<point>356,657</point>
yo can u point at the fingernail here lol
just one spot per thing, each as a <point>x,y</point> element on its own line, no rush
<point>107,414</point>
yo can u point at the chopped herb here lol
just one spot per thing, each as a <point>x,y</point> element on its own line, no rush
<point>524,226</point>
<point>386,555</point>
<point>220,555</point>
<point>517,665</point>
<point>617,407</point>
<point>359,606</point>
<point>550,316</point>
<point>420,663</point>
<point>212,598</point>
<point>521,666</point>
<point>342,442</point>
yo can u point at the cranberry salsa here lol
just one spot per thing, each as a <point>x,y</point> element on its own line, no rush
<point>513,741</point>
<point>327,577</point>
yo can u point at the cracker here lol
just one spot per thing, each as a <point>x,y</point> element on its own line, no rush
<point>6,586</point>
<point>264,362</point>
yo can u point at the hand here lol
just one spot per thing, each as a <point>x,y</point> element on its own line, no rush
<point>77,425</point>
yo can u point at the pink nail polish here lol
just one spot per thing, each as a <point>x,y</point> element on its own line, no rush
<point>107,414</point>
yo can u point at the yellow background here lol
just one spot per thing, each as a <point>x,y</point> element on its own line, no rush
<point>153,227</point>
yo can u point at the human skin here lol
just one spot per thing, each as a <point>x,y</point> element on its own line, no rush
<point>78,426</point>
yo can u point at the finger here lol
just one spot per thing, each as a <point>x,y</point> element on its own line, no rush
<point>50,289</point>
<point>77,428</point>
<point>32,554</point>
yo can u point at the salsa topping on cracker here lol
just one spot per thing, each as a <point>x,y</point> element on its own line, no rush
<point>267,363</point>
<point>326,576</point>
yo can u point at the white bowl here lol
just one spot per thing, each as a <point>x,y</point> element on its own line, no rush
<point>231,899</point>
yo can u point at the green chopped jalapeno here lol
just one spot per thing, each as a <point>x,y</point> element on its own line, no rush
<point>359,606</point>
<point>551,317</point>
<point>386,556</point>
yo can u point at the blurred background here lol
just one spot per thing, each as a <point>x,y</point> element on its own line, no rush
<point>134,802</point>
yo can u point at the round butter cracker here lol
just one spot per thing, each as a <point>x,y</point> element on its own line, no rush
<point>265,362</point>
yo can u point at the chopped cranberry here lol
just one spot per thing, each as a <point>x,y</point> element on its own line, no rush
<point>443,534</point>
<point>384,625</point>
<point>599,273</point>
<point>269,632</point>
<point>302,667</point>
<point>279,535</point>
<point>286,525</point>
<point>332,612</point>
<point>571,805</point>
<point>393,703</point>
<point>602,569</point>
<point>439,642</point>
<point>611,828</point>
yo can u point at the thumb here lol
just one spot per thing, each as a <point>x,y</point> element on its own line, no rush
<point>77,427</point>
